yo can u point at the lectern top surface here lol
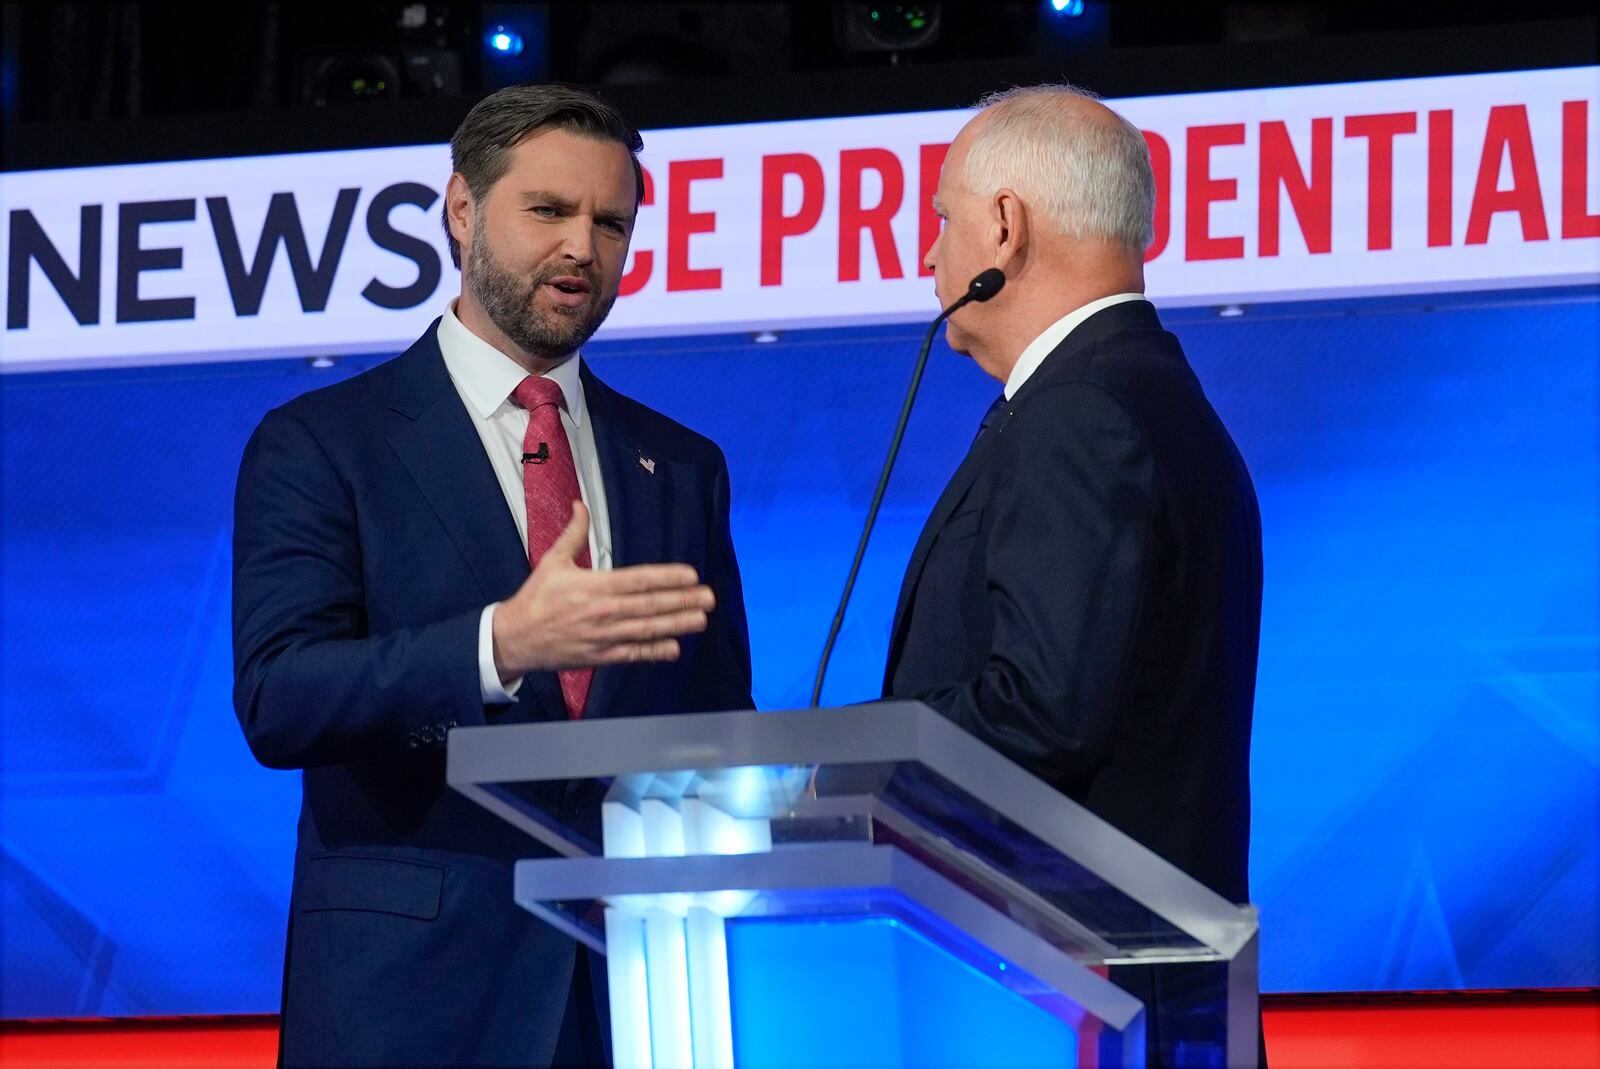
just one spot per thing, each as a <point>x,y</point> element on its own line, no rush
<point>893,774</point>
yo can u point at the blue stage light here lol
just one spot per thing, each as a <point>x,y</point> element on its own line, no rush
<point>1069,8</point>
<point>504,41</point>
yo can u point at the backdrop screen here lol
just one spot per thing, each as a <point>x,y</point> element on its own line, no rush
<point>1426,755</point>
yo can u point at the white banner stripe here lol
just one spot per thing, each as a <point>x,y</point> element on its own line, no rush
<point>1478,182</point>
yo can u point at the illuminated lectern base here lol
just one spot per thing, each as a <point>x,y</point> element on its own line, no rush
<point>827,954</point>
<point>867,887</point>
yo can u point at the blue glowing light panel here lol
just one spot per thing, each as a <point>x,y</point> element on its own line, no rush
<point>849,994</point>
<point>1426,796</point>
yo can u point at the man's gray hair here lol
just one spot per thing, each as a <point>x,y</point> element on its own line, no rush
<point>1085,178</point>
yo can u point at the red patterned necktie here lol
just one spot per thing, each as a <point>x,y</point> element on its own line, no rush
<point>549,487</point>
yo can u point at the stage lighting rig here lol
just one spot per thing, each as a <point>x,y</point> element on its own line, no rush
<point>383,51</point>
<point>868,27</point>
<point>349,77</point>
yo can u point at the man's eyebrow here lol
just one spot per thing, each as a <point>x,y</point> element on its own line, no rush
<point>556,200</point>
<point>529,196</point>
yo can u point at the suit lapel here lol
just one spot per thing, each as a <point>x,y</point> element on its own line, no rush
<point>1063,360</point>
<point>955,492</point>
<point>636,501</point>
<point>431,432</point>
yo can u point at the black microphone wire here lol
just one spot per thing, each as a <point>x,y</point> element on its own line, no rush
<point>986,285</point>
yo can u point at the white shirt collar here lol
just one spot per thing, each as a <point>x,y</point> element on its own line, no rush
<point>1054,335</point>
<point>485,376</point>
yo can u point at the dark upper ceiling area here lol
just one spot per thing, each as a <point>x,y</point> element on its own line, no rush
<point>93,82</point>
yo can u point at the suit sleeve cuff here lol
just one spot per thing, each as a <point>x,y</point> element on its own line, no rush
<point>494,692</point>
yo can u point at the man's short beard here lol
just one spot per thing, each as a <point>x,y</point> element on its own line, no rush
<point>508,300</point>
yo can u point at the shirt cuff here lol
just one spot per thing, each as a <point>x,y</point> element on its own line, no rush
<point>494,692</point>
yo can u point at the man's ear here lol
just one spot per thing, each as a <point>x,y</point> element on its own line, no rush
<point>458,210</point>
<point>1011,227</point>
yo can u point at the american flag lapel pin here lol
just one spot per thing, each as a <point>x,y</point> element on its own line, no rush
<point>647,464</point>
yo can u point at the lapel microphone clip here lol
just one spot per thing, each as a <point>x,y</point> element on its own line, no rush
<point>540,457</point>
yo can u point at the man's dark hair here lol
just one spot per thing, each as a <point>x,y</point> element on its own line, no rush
<point>504,119</point>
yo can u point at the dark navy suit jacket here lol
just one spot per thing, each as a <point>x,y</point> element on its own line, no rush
<point>1086,599</point>
<point>370,532</point>
<point>1086,595</point>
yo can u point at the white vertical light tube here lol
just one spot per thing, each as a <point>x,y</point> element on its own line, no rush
<point>667,973</point>
<point>710,1008</point>
<point>621,830</point>
<point>668,954</point>
<point>663,828</point>
<point>630,992</point>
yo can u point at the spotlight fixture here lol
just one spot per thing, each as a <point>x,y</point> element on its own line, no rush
<point>503,41</point>
<point>866,27</point>
<point>1069,9</point>
<point>349,77</point>
<point>515,44</point>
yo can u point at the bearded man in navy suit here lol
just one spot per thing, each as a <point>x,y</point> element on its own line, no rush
<point>1086,595</point>
<point>479,531</point>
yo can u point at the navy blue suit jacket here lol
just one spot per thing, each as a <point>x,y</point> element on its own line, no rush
<point>369,534</point>
<point>1086,599</point>
<point>1086,595</point>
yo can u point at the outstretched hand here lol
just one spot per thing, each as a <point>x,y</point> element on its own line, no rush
<point>566,616</point>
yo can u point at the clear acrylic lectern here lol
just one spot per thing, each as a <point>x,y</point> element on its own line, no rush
<point>867,886</point>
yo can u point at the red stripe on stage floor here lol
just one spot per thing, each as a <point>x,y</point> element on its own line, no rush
<point>1477,1030</point>
<point>142,1043</point>
<point>1455,1030</point>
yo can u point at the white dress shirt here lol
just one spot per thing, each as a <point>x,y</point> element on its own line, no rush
<point>1054,335</point>
<point>484,377</point>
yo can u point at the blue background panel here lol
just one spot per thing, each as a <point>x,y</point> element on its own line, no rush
<point>1426,764</point>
